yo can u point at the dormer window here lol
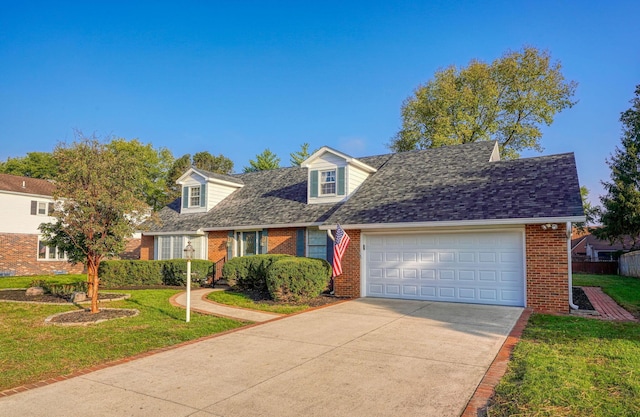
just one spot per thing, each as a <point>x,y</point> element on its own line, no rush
<point>328,182</point>
<point>194,196</point>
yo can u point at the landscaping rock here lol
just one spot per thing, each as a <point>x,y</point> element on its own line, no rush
<point>33,291</point>
<point>78,297</point>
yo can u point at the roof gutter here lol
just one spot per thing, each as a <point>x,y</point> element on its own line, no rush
<point>569,268</point>
<point>261,226</point>
<point>176,232</point>
<point>493,222</point>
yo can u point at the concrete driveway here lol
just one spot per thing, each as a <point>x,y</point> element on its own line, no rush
<point>368,357</point>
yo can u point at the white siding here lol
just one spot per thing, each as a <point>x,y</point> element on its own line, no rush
<point>326,162</point>
<point>15,214</point>
<point>216,193</point>
<point>192,181</point>
<point>355,178</point>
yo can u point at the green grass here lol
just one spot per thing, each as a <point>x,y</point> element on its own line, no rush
<point>573,366</point>
<point>31,351</point>
<point>241,300</point>
<point>625,290</point>
<point>24,282</point>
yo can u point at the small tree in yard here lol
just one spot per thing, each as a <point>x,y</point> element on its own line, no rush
<point>97,208</point>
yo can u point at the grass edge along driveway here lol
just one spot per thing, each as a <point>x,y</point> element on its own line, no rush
<point>574,366</point>
<point>31,351</point>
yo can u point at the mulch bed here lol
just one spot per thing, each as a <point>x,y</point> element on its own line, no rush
<point>581,300</point>
<point>21,296</point>
<point>86,317</point>
<point>263,297</point>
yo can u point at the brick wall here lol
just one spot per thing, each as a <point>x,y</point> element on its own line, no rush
<point>348,284</point>
<point>547,264</point>
<point>282,241</point>
<point>146,248</point>
<point>19,255</point>
<point>132,250</point>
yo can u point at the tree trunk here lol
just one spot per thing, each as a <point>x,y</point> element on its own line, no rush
<point>92,272</point>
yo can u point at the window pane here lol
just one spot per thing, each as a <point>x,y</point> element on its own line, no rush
<point>317,237</point>
<point>328,182</point>
<point>196,243</point>
<point>165,247</point>
<point>178,247</point>
<point>318,252</point>
<point>52,252</point>
<point>42,251</point>
<point>42,208</point>
<point>249,241</point>
<point>317,244</point>
<point>195,196</point>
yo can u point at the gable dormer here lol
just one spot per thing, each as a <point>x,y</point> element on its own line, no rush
<point>203,190</point>
<point>333,176</point>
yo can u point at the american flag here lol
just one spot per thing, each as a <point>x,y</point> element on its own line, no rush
<point>339,247</point>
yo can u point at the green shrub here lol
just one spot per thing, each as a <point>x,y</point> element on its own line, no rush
<point>249,272</point>
<point>295,279</point>
<point>60,289</point>
<point>124,273</point>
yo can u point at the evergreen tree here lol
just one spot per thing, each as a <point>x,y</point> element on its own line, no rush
<point>620,215</point>
<point>265,161</point>
<point>299,157</point>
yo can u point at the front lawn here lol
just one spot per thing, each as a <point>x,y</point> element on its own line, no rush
<point>31,351</point>
<point>24,282</point>
<point>573,366</point>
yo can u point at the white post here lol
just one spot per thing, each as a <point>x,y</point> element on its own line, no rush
<point>188,290</point>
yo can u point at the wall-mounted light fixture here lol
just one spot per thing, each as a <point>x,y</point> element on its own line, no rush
<point>551,226</point>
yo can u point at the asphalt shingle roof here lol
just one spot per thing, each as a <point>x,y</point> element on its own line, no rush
<point>26,185</point>
<point>454,183</point>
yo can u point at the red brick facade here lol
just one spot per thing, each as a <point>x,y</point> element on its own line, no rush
<point>546,263</point>
<point>348,284</point>
<point>547,269</point>
<point>282,241</point>
<point>146,248</point>
<point>19,256</point>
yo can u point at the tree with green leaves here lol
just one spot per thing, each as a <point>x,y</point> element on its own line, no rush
<point>35,165</point>
<point>507,100</point>
<point>219,164</point>
<point>202,160</point>
<point>265,161</point>
<point>620,216</point>
<point>154,164</point>
<point>590,212</point>
<point>297,158</point>
<point>97,207</point>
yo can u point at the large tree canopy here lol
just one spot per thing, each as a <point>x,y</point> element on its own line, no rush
<point>507,100</point>
<point>202,160</point>
<point>35,165</point>
<point>620,215</point>
<point>97,204</point>
<point>263,162</point>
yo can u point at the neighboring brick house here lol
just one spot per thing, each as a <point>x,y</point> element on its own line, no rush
<point>25,203</point>
<point>448,224</point>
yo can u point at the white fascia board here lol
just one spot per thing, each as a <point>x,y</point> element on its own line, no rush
<point>176,232</point>
<point>187,174</point>
<point>262,226</point>
<point>350,160</point>
<point>493,222</point>
<point>48,197</point>
<point>225,183</point>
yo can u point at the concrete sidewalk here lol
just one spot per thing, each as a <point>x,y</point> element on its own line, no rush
<point>359,358</point>
<point>200,304</point>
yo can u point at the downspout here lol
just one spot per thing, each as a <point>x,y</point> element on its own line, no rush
<point>573,306</point>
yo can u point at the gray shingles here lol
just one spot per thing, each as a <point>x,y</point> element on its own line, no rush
<point>454,183</point>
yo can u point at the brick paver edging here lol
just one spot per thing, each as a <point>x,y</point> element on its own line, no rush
<point>606,306</point>
<point>496,371</point>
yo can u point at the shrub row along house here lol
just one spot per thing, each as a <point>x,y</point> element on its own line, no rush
<point>448,224</point>
<point>25,203</point>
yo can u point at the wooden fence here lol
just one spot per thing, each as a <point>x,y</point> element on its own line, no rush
<point>602,268</point>
<point>630,264</point>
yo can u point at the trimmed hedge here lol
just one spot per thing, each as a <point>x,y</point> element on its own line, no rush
<point>294,279</point>
<point>123,273</point>
<point>249,272</point>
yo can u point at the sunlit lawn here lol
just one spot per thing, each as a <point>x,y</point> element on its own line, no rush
<point>31,351</point>
<point>573,366</point>
<point>242,300</point>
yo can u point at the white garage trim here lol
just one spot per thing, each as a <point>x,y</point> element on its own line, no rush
<point>395,269</point>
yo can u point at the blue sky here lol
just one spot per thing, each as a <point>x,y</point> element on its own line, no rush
<point>234,78</point>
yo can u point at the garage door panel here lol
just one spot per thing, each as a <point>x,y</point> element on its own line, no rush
<point>475,267</point>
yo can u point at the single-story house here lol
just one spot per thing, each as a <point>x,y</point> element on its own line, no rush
<point>452,224</point>
<point>587,247</point>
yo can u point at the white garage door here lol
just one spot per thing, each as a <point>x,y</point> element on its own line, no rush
<point>477,267</point>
